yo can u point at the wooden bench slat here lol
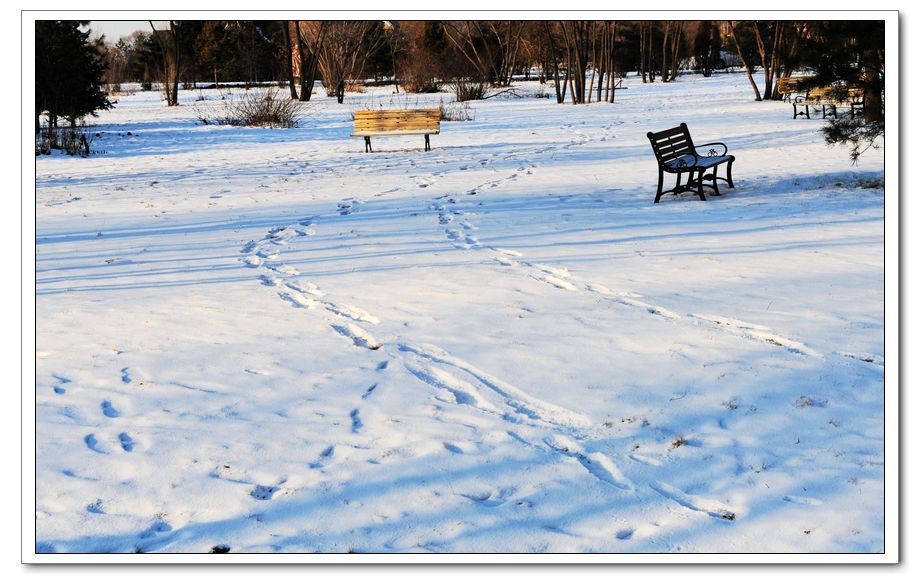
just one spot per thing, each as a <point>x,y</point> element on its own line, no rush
<point>397,123</point>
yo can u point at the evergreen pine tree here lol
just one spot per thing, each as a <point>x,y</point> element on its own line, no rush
<point>69,72</point>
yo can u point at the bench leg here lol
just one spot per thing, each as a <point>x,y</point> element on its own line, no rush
<point>699,184</point>
<point>660,185</point>
<point>715,179</point>
<point>427,144</point>
<point>367,144</point>
<point>731,185</point>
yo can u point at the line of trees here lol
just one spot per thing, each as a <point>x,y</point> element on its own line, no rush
<point>582,59</point>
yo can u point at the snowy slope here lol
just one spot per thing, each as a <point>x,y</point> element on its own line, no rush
<point>271,341</point>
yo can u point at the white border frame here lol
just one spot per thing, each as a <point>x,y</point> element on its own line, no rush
<point>893,404</point>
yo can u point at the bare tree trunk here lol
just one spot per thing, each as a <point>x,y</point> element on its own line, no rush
<point>651,56</point>
<point>309,63</point>
<point>747,68</point>
<point>664,52</point>
<point>170,63</point>
<point>643,57</point>
<point>766,61</point>
<point>289,60</point>
<point>611,82</point>
<point>174,27</point>
<point>779,38</point>
<point>676,39</point>
<point>554,58</point>
<point>594,62</point>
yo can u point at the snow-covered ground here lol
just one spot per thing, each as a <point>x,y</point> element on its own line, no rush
<point>270,341</point>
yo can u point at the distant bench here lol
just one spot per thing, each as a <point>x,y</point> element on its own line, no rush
<point>791,87</point>
<point>676,154</point>
<point>397,123</point>
<point>828,98</point>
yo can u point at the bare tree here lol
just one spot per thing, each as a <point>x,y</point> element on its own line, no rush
<point>769,58</point>
<point>732,27</point>
<point>168,41</point>
<point>554,62</point>
<point>489,47</point>
<point>576,35</point>
<point>290,50</point>
<point>344,52</point>
<point>311,35</point>
<point>671,44</point>
<point>646,54</point>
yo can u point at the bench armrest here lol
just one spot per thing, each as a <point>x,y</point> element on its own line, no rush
<point>711,149</point>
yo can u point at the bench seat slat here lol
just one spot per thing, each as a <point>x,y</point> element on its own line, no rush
<point>396,133</point>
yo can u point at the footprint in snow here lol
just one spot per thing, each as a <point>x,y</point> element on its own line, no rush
<point>352,312</point>
<point>109,410</point>
<point>159,525</point>
<point>359,336</point>
<point>62,381</point>
<point>324,456</point>
<point>368,391</point>
<point>716,509</point>
<point>264,492</point>
<point>127,443</point>
<point>297,299</point>
<point>356,423</point>
<point>453,448</point>
<point>597,463</point>
<point>252,261</point>
<point>556,282</point>
<point>93,444</point>
<point>486,499</point>
<point>284,269</point>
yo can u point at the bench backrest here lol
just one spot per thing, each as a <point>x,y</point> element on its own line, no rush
<point>418,120</point>
<point>671,144</point>
<point>788,84</point>
<point>835,93</point>
<point>792,84</point>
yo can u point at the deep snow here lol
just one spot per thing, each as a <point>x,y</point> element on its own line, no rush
<point>271,341</point>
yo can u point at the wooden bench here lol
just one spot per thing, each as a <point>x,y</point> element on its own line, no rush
<point>828,98</point>
<point>676,154</point>
<point>791,87</point>
<point>397,123</point>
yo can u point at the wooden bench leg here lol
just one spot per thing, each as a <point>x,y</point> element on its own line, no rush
<point>367,144</point>
<point>427,144</point>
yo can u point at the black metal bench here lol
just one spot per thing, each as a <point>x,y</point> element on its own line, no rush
<point>676,154</point>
